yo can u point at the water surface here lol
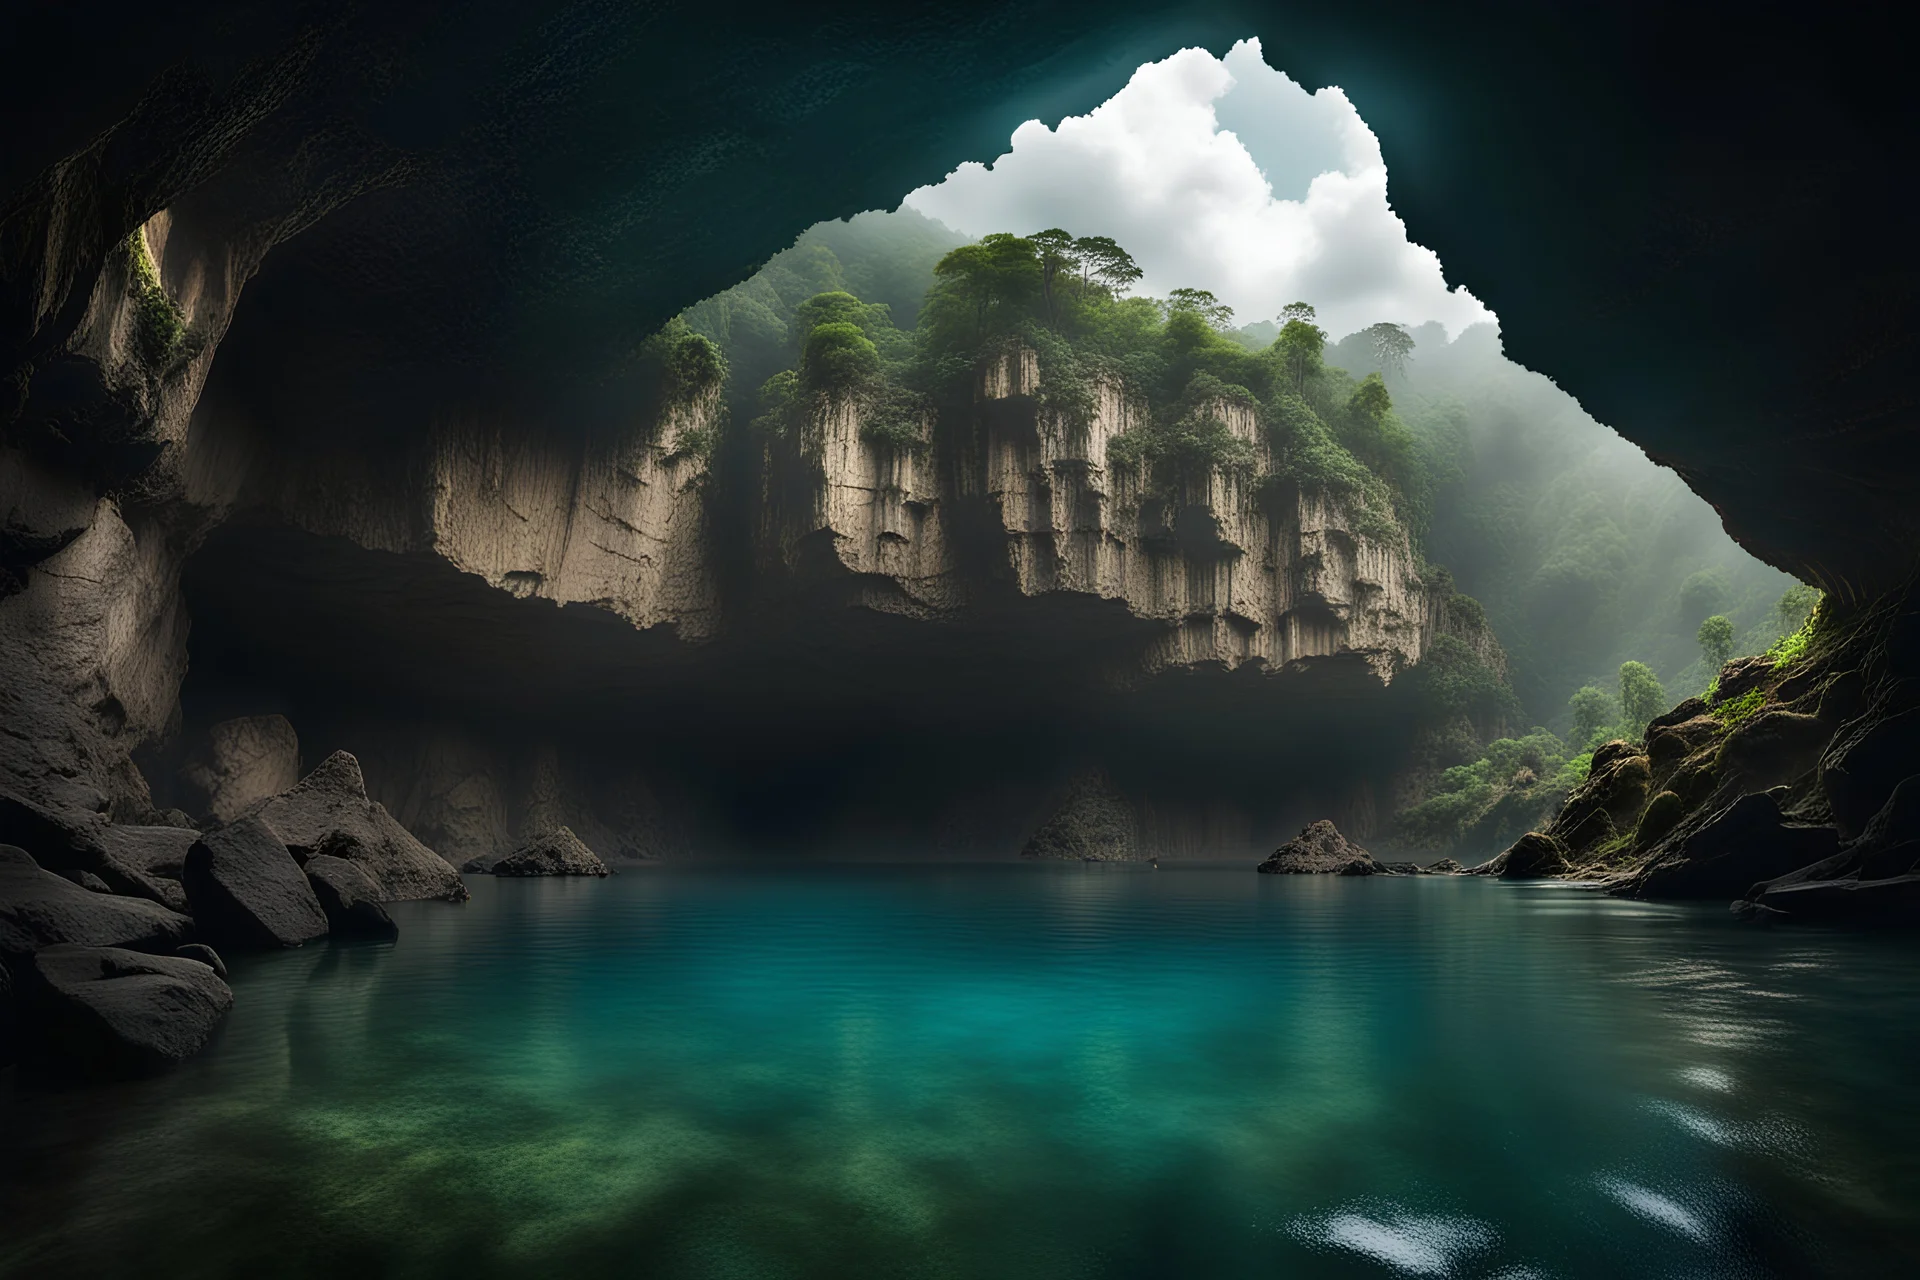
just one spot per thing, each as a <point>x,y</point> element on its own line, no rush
<point>1009,1072</point>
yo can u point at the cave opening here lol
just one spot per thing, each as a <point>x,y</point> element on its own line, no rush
<point>718,603</point>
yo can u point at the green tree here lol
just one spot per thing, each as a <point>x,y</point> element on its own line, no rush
<point>1060,258</point>
<point>838,358</point>
<point>1392,346</point>
<point>1593,709</point>
<point>1296,311</point>
<point>1216,313</point>
<point>981,290</point>
<point>1716,641</point>
<point>1795,607</point>
<point>1106,263</point>
<point>1300,346</point>
<point>1641,697</point>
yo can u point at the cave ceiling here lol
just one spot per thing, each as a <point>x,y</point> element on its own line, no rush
<point>1696,218</point>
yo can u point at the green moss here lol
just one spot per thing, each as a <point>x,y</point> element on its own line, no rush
<point>1663,814</point>
<point>1735,710</point>
<point>159,325</point>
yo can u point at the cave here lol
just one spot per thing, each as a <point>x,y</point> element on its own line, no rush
<point>393,512</point>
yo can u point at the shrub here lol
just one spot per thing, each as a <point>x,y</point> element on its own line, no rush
<point>839,359</point>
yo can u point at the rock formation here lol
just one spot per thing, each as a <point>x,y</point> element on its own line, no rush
<point>245,761</point>
<point>245,889</point>
<point>557,853</point>
<point>328,812</point>
<point>1793,789</point>
<point>1094,823</point>
<point>349,897</point>
<point>40,909</point>
<point>1320,849</point>
<point>108,1013</point>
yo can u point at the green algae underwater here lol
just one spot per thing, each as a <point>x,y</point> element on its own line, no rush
<point>1010,1072</point>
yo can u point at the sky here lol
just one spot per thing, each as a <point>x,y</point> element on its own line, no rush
<point>1220,174</point>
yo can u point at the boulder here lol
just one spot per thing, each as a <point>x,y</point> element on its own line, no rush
<point>1446,867</point>
<point>151,850</point>
<point>1320,849</point>
<point>65,843</point>
<point>40,909</point>
<point>1534,857</point>
<point>242,762</point>
<point>205,955</point>
<point>1724,854</point>
<point>350,899</point>
<point>1093,823</point>
<point>245,889</point>
<point>109,1013</point>
<point>152,856</point>
<point>328,812</point>
<point>558,853</point>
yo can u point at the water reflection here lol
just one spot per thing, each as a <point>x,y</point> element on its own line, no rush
<point>1012,1072</point>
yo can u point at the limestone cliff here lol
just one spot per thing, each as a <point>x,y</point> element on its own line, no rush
<point>1229,569</point>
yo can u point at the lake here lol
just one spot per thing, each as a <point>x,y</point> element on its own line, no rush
<point>995,1071</point>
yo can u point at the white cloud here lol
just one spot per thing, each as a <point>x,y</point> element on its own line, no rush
<point>1290,203</point>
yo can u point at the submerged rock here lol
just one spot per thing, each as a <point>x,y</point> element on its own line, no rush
<point>1320,849</point>
<point>40,909</point>
<point>558,853</point>
<point>350,898</point>
<point>328,812</point>
<point>246,889</point>
<point>1534,857</point>
<point>109,1013</point>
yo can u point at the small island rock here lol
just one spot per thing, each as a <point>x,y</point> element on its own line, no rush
<point>558,853</point>
<point>1320,849</point>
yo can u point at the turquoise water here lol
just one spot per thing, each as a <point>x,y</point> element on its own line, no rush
<point>1008,1072</point>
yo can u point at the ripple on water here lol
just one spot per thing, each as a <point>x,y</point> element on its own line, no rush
<point>1010,1073</point>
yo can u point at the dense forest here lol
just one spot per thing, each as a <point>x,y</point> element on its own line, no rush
<point>1610,585</point>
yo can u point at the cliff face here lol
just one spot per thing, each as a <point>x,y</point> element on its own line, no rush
<point>1228,570</point>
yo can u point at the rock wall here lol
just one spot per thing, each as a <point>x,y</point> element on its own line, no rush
<point>1230,569</point>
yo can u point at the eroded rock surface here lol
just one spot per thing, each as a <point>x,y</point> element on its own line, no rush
<point>328,812</point>
<point>349,897</point>
<point>244,761</point>
<point>557,853</point>
<point>1320,849</point>
<point>108,1013</point>
<point>40,909</point>
<point>245,889</point>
